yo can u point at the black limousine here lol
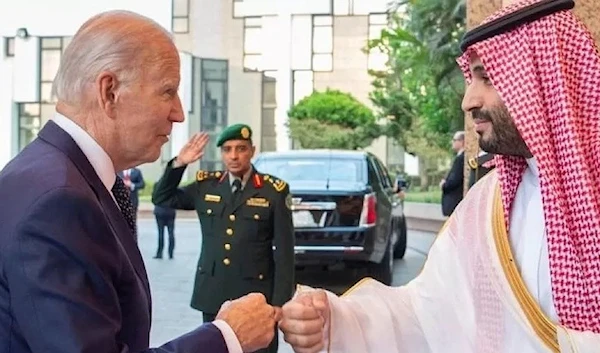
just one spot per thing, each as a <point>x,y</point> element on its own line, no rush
<point>344,208</point>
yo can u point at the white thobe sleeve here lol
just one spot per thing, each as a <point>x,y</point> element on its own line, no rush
<point>430,314</point>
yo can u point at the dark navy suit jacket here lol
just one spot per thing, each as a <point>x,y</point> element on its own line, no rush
<point>72,279</point>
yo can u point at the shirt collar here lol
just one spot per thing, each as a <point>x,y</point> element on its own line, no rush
<point>95,154</point>
<point>244,179</point>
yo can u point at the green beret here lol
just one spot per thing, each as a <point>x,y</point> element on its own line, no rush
<point>235,132</point>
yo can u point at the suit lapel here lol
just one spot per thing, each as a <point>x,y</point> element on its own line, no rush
<point>57,137</point>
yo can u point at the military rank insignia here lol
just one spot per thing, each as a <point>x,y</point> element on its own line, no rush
<point>204,175</point>
<point>278,184</point>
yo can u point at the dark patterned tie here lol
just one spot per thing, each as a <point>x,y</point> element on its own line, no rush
<point>123,197</point>
<point>237,190</point>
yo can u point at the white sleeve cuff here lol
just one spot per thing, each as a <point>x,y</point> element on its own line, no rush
<point>231,341</point>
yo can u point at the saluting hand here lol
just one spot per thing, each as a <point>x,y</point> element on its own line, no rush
<point>304,319</point>
<point>192,151</point>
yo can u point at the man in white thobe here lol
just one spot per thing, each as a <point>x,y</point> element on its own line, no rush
<point>517,266</point>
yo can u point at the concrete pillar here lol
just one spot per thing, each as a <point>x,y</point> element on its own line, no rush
<point>284,74</point>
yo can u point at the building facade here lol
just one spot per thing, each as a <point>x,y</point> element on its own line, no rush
<point>242,61</point>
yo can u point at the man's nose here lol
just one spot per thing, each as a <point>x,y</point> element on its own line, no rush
<point>471,99</point>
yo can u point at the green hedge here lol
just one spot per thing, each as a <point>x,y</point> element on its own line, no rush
<point>433,196</point>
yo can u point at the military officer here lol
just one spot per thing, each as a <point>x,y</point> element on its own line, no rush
<point>247,231</point>
<point>479,167</point>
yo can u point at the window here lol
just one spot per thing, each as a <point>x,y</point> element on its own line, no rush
<point>214,103</point>
<point>322,45</point>
<point>253,43</point>
<point>181,16</point>
<point>9,47</point>
<point>377,58</point>
<point>51,53</point>
<point>269,104</point>
<point>30,122</point>
<point>314,168</point>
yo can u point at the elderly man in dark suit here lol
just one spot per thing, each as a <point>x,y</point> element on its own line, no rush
<point>71,276</point>
<point>453,185</point>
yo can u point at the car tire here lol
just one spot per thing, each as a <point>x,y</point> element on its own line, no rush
<point>400,248</point>
<point>383,271</point>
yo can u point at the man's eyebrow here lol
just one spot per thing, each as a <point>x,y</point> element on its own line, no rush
<point>479,69</point>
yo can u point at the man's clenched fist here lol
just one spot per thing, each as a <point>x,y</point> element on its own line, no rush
<point>252,320</point>
<point>304,320</point>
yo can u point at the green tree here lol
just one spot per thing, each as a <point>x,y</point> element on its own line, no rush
<point>423,86</point>
<point>332,119</point>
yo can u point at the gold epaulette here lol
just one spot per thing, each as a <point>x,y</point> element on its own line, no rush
<point>202,175</point>
<point>278,184</point>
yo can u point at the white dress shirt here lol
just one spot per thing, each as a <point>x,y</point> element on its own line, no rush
<point>105,170</point>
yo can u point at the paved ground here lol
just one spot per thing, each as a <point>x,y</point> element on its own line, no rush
<point>172,280</point>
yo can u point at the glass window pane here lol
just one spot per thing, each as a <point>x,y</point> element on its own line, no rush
<point>323,40</point>
<point>181,8</point>
<point>322,62</point>
<point>253,41</point>
<point>51,43</point>
<point>214,94</point>
<point>253,62</point>
<point>29,109</point>
<point>214,69</point>
<point>50,64</point>
<point>46,92</point>
<point>323,20</point>
<point>180,25</point>
<point>212,117</point>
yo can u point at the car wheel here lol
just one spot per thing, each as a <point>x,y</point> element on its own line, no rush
<point>383,271</point>
<point>400,248</point>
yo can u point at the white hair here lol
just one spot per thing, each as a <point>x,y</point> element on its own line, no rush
<point>116,41</point>
<point>459,135</point>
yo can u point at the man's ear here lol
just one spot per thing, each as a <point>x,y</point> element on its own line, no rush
<point>107,92</point>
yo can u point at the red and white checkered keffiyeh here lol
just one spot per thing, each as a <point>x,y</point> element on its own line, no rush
<point>548,74</point>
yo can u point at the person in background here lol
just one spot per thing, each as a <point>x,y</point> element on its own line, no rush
<point>165,218</point>
<point>453,185</point>
<point>134,182</point>
<point>247,230</point>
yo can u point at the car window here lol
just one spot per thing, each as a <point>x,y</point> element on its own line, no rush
<point>382,176</point>
<point>374,174</point>
<point>385,174</point>
<point>312,169</point>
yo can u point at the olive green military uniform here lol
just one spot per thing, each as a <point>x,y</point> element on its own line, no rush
<point>238,237</point>
<point>477,170</point>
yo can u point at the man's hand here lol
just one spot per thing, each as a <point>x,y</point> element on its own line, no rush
<point>252,320</point>
<point>192,151</point>
<point>442,183</point>
<point>304,320</point>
